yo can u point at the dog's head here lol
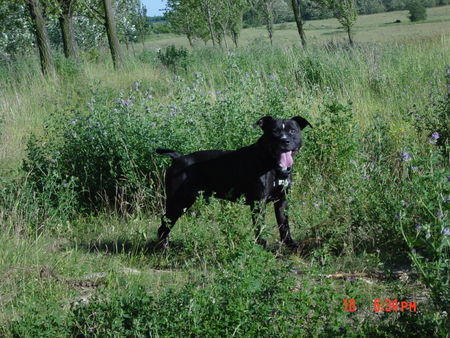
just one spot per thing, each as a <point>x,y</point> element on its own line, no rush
<point>282,138</point>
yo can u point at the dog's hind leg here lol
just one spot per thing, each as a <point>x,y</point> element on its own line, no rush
<point>175,207</point>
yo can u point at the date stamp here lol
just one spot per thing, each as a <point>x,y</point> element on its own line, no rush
<point>379,305</point>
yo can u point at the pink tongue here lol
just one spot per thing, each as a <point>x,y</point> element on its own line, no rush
<point>286,160</point>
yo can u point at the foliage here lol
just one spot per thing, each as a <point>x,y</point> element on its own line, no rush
<point>174,58</point>
<point>344,11</point>
<point>185,17</point>
<point>417,10</point>
<point>15,31</point>
<point>429,177</point>
<point>253,295</point>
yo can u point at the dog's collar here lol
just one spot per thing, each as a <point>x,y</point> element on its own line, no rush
<point>283,183</point>
<point>282,177</point>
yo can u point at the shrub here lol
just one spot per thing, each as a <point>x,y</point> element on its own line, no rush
<point>173,57</point>
<point>104,153</point>
<point>105,149</point>
<point>417,10</point>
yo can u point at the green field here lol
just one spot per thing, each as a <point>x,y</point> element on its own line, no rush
<point>368,29</point>
<point>81,199</point>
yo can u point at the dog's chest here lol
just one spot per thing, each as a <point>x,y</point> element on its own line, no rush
<point>274,184</point>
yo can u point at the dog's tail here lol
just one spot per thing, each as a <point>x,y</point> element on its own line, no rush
<point>171,153</point>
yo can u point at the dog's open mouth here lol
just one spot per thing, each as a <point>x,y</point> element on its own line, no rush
<point>287,159</point>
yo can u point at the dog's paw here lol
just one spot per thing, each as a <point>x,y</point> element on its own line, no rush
<point>163,244</point>
<point>291,245</point>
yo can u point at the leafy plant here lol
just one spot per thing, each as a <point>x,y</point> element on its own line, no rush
<point>417,10</point>
<point>174,58</point>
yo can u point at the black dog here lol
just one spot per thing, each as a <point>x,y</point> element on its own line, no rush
<point>260,172</point>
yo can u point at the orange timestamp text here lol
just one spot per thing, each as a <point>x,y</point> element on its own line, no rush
<point>386,305</point>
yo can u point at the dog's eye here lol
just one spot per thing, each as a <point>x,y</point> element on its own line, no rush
<point>291,131</point>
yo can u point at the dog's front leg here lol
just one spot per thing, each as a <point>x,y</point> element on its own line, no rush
<point>282,220</point>
<point>258,209</point>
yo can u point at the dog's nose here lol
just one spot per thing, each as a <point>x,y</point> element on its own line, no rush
<point>285,141</point>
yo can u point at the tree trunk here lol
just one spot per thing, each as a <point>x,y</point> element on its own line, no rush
<point>42,41</point>
<point>189,37</point>
<point>210,24</point>
<point>66,26</point>
<point>270,37</point>
<point>235,37</point>
<point>224,37</point>
<point>350,35</point>
<point>299,21</point>
<point>269,23</point>
<point>132,48</point>
<point>111,32</point>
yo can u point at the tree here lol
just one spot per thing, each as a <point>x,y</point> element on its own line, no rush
<point>344,11</point>
<point>111,32</point>
<point>298,20</point>
<point>209,8</point>
<point>66,25</point>
<point>185,17</point>
<point>106,17</point>
<point>267,10</point>
<point>237,9</point>
<point>142,24</point>
<point>16,31</point>
<point>417,10</point>
<point>42,40</point>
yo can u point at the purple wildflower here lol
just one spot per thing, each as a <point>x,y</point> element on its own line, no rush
<point>446,232</point>
<point>272,77</point>
<point>405,156</point>
<point>415,168</point>
<point>247,75</point>
<point>65,185</point>
<point>428,235</point>
<point>218,92</point>
<point>418,227</point>
<point>126,103</point>
<point>413,250</point>
<point>435,135</point>
<point>446,199</point>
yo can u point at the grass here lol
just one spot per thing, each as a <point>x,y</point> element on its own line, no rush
<point>372,28</point>
<point>59,267</point>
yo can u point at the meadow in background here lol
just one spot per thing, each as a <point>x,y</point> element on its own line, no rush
<point>81,187</point>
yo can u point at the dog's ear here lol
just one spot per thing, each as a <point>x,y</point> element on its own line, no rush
<point>263,122</point>
<point>302,122</point>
